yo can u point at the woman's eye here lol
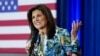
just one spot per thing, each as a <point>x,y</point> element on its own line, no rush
<point>33,17</point>
<point>38,15</point>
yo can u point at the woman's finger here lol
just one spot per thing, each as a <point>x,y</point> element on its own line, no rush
<point>73,24</point>
<point>77,23</point>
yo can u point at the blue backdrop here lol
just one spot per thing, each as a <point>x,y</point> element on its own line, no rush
<point>91,27</point>
<point>88,11</point>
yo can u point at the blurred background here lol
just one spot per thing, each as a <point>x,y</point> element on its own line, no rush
<point>14,29</point>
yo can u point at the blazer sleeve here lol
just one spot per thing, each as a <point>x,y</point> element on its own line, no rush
<point>69,46</point>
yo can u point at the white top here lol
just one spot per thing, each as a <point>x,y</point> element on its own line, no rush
<point>43,42</point>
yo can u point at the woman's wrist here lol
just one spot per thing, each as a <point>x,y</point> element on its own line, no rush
<point>73,40</point>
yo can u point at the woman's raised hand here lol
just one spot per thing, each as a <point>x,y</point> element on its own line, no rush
<point>75,27</point>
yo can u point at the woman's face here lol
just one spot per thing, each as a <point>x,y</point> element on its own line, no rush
<point>39,20</point>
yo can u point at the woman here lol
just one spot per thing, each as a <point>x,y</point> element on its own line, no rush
<point>46,38</point>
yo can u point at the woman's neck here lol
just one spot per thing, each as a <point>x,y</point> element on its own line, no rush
<point>42,31</point>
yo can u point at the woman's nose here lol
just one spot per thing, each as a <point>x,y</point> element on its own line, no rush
<point>36,19</point>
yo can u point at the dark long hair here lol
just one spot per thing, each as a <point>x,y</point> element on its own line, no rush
<point>50,24</point>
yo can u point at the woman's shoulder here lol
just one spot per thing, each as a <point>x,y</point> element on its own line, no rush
<point>61,30</point>
<point>62,33</point>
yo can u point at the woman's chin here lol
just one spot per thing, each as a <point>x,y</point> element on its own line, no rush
<point>38,27</point>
